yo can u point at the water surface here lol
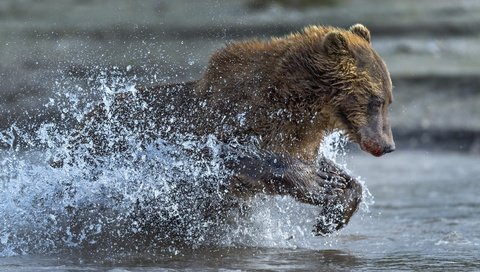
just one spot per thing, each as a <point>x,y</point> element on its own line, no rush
<point>144,209</point>
<point>425,216</point>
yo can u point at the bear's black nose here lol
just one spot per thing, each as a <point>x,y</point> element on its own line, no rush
<point>388,149</point>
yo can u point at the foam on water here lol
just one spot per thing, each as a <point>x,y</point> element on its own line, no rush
<point>158,196</point>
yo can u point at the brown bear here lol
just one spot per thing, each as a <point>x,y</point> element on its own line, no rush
<point>283,95</point>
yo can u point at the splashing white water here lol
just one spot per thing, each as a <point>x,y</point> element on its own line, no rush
<point>151,197</point>
<point>333,147</point>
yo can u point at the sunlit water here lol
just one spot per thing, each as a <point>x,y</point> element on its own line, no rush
<point>146,211</point>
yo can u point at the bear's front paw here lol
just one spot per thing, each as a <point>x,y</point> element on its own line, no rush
<point>331,218</point>
<point>342,197</point>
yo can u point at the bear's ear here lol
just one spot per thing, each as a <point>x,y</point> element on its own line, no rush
<point>335,43</point>
<point>362,31</point>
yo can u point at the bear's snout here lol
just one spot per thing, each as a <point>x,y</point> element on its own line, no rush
<point>376,137</point>
<point>375,148</point>
<point>376,143</point>
<point>389,149</point>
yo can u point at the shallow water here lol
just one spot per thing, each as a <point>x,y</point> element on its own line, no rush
<point>145,211</point>
<point>425,216</point>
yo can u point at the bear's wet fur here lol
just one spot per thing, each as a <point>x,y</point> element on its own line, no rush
<point>284,94</point>
<point>291,91</point>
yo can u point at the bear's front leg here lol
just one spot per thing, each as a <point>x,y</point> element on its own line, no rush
<point>340,207</point>
<point>323,184</point>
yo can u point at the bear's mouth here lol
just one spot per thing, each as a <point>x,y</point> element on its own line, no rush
<point>372,148</point>
<point>366,143</point>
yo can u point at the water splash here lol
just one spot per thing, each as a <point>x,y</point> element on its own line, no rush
<point>333,147</point>
<point>284,223</point>
<point>159,198</point>
<point>154,196</point>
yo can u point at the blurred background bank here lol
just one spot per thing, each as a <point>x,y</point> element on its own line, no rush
<point>432,48</point>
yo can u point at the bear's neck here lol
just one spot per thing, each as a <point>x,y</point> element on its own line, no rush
<point>307,102</point>
<point>301,128</point>
<point>281,107</point>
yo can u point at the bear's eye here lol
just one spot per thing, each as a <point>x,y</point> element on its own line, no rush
<point>375,102</point>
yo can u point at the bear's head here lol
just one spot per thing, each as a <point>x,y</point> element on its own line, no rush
<point>360,88</point>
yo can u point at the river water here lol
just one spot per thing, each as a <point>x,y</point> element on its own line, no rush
<point>143,212</point>
<point>425,215</point>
